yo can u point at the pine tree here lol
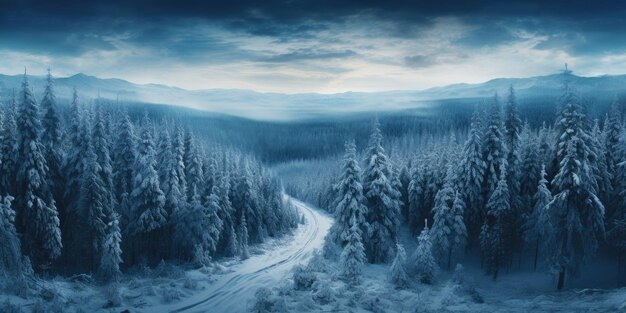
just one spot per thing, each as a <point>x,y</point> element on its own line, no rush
<point>124,154</point>
<point>100,139</point>
<point>399,276</point>
<point>91,212</point>
<point>168,174</point>
<point>147,199</point>
<point>11,260</point>
<point>417,195</point>
<point>471,173</point>
<point>425,264</point>
<point>51,138</point>
<point>111,256</point>
<point>214,224</point>
<point>512,132</point>
<point>576,213</point>
<point>381,199</point>
<point>228,243</point>
<point>37,216</point>
<point>613,155</point>
<point>353,254</point>
<point>537,226</point>
<point>194,172</point>
<point>8,151</point>
<point>178,147</point>
<point>190,226</point>
<point>449,234</point>
<point>350,198</point>
<point>530,170</point>
<point>494,242</point>
<point>495,150</point>
<point>441,230</point>
<point>243,238</point>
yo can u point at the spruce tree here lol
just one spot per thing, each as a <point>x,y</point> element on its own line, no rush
<point>38,220</point>
<point>494,242</point>
<point>353,254</point>
<point>51,137</point>
<point>494,149</point>
<point>382,201</point>
<point>350,200</point>
<point>613,129</point>
<point>111,255</point>
<point>576,213</point>
<point>8,151</point>
<point>228,243</point>
<point>470,176</point>
<point>425,264</point>
<point>11,260</point>
<point>530,170</point>
<point>537,226</point>
<point>399,276</point>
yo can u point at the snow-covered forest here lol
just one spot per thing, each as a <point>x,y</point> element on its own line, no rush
<point>89,190</point>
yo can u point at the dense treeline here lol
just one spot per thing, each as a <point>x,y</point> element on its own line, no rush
<point>555,193</point>
<point>87,189</point>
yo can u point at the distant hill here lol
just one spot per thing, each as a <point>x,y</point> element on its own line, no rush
<point>277,106</point>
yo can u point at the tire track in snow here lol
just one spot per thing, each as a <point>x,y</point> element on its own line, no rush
<point>232,291</point>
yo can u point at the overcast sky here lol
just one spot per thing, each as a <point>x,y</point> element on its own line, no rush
<point>321,46</point>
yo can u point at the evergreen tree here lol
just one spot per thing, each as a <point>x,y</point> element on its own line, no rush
<point>417,194</point>
<point>537,225</point>
<point>194,172</point>
<point>168,174</point>
<point>494,241</point>
<point>111,250</point>
<point>353,254</point>
<point>51,137</point>
<point>124,155</point>
<point>100,139</point>
<point>350,199</point>
<point>449,234</point>
<point>471,173</point>
<point>11,260</point>
<point>178,147</point>
<point>243,237</point>
<point>228,243</point>
<point>8,151</point>
<point>382,201</point>
<point>425,264</point>
<point>495,150</point>
<point>147,199</point>
<point>613,155</point>
<point>441,230</point>
<point>91,212</point>
<point>399,276</point>
<point>576,213</point>
<point>512,132</point>
<point>37,215</point>
<point>214,224</point>
<point>530,170</point>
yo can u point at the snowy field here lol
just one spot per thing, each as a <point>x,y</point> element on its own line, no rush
<point>223,287</point>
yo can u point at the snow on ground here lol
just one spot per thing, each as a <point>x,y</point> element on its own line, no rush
<point>227,286</point>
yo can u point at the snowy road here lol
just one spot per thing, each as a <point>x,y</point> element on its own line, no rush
<point>232,291</point>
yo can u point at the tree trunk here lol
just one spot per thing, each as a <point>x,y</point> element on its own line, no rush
<point>561,282</point>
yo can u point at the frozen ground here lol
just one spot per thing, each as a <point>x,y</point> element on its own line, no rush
<point>225,287</point>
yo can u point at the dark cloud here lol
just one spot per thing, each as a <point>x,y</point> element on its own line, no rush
<point>308,54</point>
<point>419,61</point>
<point>174,28</point>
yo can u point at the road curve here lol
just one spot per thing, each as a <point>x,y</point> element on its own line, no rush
<point>231,292</point>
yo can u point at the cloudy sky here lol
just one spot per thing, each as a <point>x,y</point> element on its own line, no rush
<point>320,46</point>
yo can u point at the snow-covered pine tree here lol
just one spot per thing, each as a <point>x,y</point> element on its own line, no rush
<point>51,138</point>
<point>512,132</point>
<point>194,172</point>
<point>576,213</point>
<point>546,149</point>
<point>399,276</point>
<point>37,216</point>
<point>11,260</point>
<point>381,200</point>
<point>190,225</point>
<point>168,174</point>
<point>8,150</point>
<point>470,179</point>
<point>111,254</point>
<point>441,231</point>
<point>100,141</point>
<point>599,166</point>
<point>91,225</point>
<point>124,154</point>
<point>494,241</point>
<point>228,244</point>
<point>537,226</point>
<point>147,199</point>
<point>243,238</point>
<point>494,150</point>
<point>425,264</point>
<point>613,129</point>
<point>350,199</point>
<point>178,146</point>
<point>214,224</point>
<point>417,205</point>
<point>245,201</point>
<point>530,170</point>
<point>353,254</point>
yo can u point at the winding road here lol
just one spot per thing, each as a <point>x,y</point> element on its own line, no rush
<point>232,291</point>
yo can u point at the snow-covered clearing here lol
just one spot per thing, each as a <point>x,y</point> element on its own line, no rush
<point>223,287</point>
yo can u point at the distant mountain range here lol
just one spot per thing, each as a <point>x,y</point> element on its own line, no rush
<point>277,106</point>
